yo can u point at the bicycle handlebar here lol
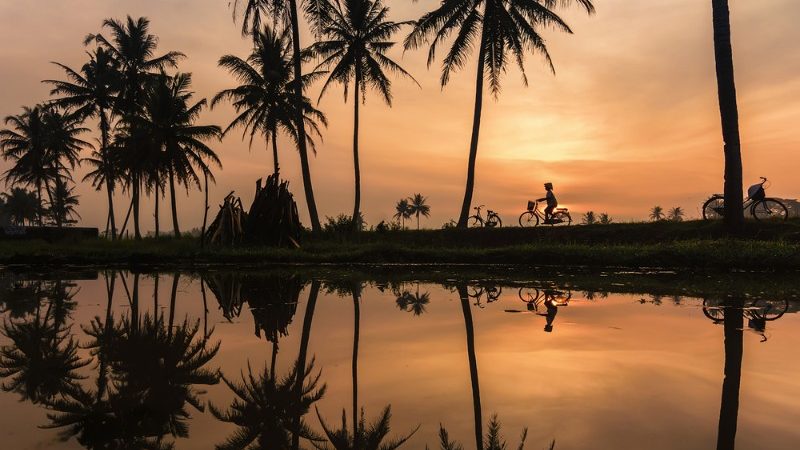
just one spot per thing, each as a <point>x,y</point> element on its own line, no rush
<point>478,207</point>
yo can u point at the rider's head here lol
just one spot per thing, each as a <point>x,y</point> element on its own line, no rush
<point>548,186</point>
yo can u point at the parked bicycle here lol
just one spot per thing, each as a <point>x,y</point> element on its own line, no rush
<point>492,219</point>
<point>757,312</point>
<point>761,207</point>
<point>534,298</point>
<point>477,292</point>
<point>532,217</point>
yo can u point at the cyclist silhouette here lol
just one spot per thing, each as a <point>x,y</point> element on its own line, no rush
<point>552,203</point>
<point>551,304</point>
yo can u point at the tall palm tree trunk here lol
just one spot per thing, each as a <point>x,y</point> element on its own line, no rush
<point>274,133</point>
<point>108,175</point>
<point>356,166</point>
<point>155,214</point>
<point>175,228</point>
<point>155,294</point>
<point>301,129</point>
<point>356,335</point>
<point>136,191</point>
<point>729,406</point>
<point>172,299</point>
<point>473,145</point>
<point>205,214</point>
<point>473,366</point>
<point>39,207</point>
<point>303,354</point>
<point>729,114</point>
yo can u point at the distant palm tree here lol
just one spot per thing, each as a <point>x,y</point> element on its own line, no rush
<point>364,437</point>
<point>403,211</point>
<point>589,218</point>
<point>288,13</point>
<point>168,121</point>
<point>605,219</point>
<point>501,31</point>
<point>418,206</point>
<point>356,37</point>
<point>676,214</point>
<point>264,101</point>
<point>20,206</point>
<point>132,46</point>
<point>493,440</point>
<point>729,113</point>
<point>93,92</point>
<point>657,213</point>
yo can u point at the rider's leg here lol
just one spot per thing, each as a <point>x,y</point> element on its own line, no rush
<point>548,213</point>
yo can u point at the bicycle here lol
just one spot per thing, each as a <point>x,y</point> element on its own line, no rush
<point>758,312</point>
<point>477,292</point>
<point>534,297</point>
<point>492,219</point>
<point>761,207</point>
<point>533,216</point>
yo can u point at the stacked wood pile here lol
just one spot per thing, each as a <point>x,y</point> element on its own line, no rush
<point>228,227</point>
<point>273,301</point>
<point>273,218</point>
<point>227,288</point>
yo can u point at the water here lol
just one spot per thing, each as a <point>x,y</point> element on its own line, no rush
<point>591,361</point>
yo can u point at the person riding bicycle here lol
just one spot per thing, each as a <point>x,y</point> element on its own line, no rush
<point>552,203</point>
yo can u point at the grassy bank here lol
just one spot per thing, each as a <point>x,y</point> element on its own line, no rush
<point>667,245</point>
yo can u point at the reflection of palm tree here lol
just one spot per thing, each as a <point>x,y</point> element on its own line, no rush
<point>302,355</point>
<point>265,409</point>
<point>494,440</point>
<point>473,365</point>
<point>414,303</point>
<point>729,408</point>
<point>364,437</point>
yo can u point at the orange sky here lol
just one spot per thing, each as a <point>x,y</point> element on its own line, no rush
<point>629,121</point>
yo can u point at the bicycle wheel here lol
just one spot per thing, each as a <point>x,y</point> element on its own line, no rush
<point>714,309</point>
<point>771,309</point>
<point>769,209</point>
<point>561,218</point>
<point>528,295</point>
<point>528,219</point>
<point>493,294</point>
<point>475,222</point>
<point>474,291</point>
<point>714,208</point>
<point>493,221</point>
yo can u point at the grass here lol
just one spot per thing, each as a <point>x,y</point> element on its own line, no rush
<point>694,245</point>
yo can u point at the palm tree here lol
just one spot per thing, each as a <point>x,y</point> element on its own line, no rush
<point>417,207</point>
<point>20,206</point>
<point>287,11</point>
<point>63,203</point>
<point>494,440</point>
<point>676,214</point>
<point>93,91</point>
<point>733,323</point>
<point>501,30</point>
<point>605,219</point>
<point>168,120</point>
<point>356,38</point>
<point>657,213</point>
<point>132,46</point>
<point>302,355</point>
<point>364,437</point>
<point>264,100</point>
<point>403,211</point>
<point>729,114</point>
<point>589,218</point>
<point>473,364</point>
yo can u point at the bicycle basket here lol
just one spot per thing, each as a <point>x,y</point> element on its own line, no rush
<point>756,192</point>
<point>531,205</point>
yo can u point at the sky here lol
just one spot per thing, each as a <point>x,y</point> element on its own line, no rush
<point>629,120</point>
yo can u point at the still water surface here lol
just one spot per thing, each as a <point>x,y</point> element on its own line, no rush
<point>113,359</point>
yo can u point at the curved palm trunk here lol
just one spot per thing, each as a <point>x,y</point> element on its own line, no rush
<point>729,114</point>
<point>473,145</point>
<point>473,366</point>
<point>175,228</point>
<point>155,295</point>
<point>136,191</point>
<point>303,353</point>
<point>356,335</point>
<point>356,166</point>
<point>155,214</point>
<point>273,361</point>
<point>274,133</point>
<point>108,175</point>
<point>301,129</point>
<point>729,406</point>
<point>205,307</point>
<point>205,219</point>
<point>172,299</point>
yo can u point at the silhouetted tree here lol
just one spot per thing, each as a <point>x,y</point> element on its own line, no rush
<point>417,205</point>
<point>676,214</point>
<point>403,211</point>
<point>500,31</point>
<point>20,206</point>
<point>589,218</point>
<point>657,213</point>
<point>605,219</point>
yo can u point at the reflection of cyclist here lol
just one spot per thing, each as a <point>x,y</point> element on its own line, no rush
<point>552,203</point>
<point>551,303</point>
<point>759,325</point>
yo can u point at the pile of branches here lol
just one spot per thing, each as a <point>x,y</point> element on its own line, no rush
<point>228,227</point>
<point>273,218</point>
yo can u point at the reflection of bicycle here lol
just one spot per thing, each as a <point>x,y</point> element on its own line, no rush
<point>534,297</point>
<point>477,292</point>
<point>761,207</point>
<point>758,312</point>
<point>492,219</point>
<point>532,217</point>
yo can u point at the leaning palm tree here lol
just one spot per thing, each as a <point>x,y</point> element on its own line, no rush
<point>657,213</point>
<point>168,121</point>
<point>133,48</point>
<point>264,101</point>
<point>418,206</point>
<point>288,13</point>
<point>356,36</point>
<point>729,114</point>
<point>403,211</point>
<point>501,30</point>
<point>92,92</point>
